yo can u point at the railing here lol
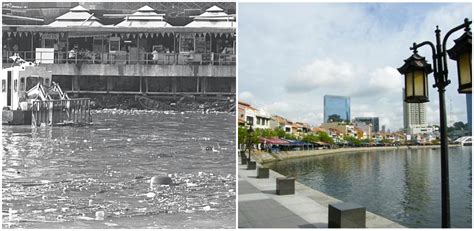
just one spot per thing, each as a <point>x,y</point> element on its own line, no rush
<point>61,112</point>
<point>122,57</point>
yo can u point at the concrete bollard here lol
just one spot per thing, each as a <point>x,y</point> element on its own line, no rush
<point>263,172</point>
<point>285,185</point>
<point>251,165</point>
<point>346,215</point>
<point>243,157</point>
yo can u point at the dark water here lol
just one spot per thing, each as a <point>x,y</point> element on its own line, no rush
<point>60,177</point>
<point>403,186</point>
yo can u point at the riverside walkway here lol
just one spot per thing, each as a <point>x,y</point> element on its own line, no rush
<point>260,207</point>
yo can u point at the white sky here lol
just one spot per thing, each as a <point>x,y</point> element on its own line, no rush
<point>292,54</point>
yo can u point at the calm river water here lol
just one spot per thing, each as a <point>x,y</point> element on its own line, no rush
<point>60,177</point>
<point>403,185</point>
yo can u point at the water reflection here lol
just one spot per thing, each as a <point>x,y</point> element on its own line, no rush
<point>402,185</point>
<point>51,175</point>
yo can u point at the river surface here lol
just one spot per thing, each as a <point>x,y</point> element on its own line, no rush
<point>401,185</point>
<point>65,177</point>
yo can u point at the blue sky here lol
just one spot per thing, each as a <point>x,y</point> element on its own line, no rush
<point>292,54</point>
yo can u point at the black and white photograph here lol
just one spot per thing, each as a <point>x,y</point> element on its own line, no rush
<point>119,115</point>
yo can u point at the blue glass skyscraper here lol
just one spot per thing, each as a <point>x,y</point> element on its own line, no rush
<point>337,108</point>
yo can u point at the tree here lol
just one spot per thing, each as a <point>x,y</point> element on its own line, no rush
<point>242,135</point>
<point>460,126</point>
<point>352,140</point>
<point>279,132</point>
<point>311,138</point>
<point>324,137</point>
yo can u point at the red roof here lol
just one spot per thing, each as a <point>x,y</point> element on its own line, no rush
<point>273,141</point>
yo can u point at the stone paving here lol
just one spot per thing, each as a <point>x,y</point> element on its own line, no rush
<point>260,207</point>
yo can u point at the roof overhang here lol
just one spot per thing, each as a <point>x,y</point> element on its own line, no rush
<point>40,28</point>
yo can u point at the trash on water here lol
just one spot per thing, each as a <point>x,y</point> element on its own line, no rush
<point>50,210</point>
<point>99,215</point>
<point>85,218</point>
<point>150,194</point>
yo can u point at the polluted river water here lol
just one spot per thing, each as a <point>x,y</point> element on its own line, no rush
<point>99,176</point>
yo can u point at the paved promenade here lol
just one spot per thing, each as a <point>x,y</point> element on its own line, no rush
<point>260,207</point>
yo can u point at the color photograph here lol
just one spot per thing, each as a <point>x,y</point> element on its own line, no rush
<point>355,115</point>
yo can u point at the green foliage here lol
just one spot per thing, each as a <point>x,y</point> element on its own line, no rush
<point>352,140</point>
<point>458,126</point>
<point>311,138</point>
<point>324,137</point>
<point>279,132</point>
<point>242,134</point>
<point>290,136</point>
<point>318,137</point>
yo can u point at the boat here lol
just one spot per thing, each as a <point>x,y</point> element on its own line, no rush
<point>29,96</point>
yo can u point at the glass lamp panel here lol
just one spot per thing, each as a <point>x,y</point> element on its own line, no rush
<point>464,69</point>
<point>409,84</point>
<point>419,82</point>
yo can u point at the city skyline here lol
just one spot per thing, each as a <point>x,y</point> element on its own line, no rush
<point>325,55</point>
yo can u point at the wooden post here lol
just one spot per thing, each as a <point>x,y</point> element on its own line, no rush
<point>141,85</point>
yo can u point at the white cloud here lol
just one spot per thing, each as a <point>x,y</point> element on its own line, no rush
<point>288,68</point>
<point>247,97</point>
<point>320,73</point>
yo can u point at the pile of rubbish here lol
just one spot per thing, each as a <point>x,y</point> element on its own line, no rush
<point>91,199</point>
<point>165,103</point>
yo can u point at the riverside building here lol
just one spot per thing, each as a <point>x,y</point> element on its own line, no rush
<point>374,121</point>
<point>414,114</point>
<point>127,48</point>
<point>337,108</point>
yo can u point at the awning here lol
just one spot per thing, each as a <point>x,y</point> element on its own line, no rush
<point>275,141</point>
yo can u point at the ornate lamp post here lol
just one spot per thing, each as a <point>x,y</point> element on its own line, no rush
<point>249,141</point>
<point>416,70</point>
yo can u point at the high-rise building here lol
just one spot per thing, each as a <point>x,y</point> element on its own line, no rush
<point>469,112</point>
<point>337,108</point>
<point>369,120</point>
<point>413,114</point>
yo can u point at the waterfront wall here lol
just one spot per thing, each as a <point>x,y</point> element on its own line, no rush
<point>265,157</point>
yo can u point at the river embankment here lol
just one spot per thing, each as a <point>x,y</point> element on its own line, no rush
<point>160,103</point>
<point>263,157</point>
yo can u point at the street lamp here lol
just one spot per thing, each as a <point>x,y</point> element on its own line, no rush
<point>461,52</point>
<point>249,131</point>
<point>416,69</point>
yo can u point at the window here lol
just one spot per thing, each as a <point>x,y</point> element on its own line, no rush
<point>15,83</point>
<point>46,82</point>
<point>49,43</point>
<point>114,44</point>
<point>249,120</point>
<point>4,85</point>
<point>22,84</point>
<point>186,43</point>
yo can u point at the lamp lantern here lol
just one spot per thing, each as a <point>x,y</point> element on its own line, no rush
<point>462,53</point>
<point>416,71</point>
